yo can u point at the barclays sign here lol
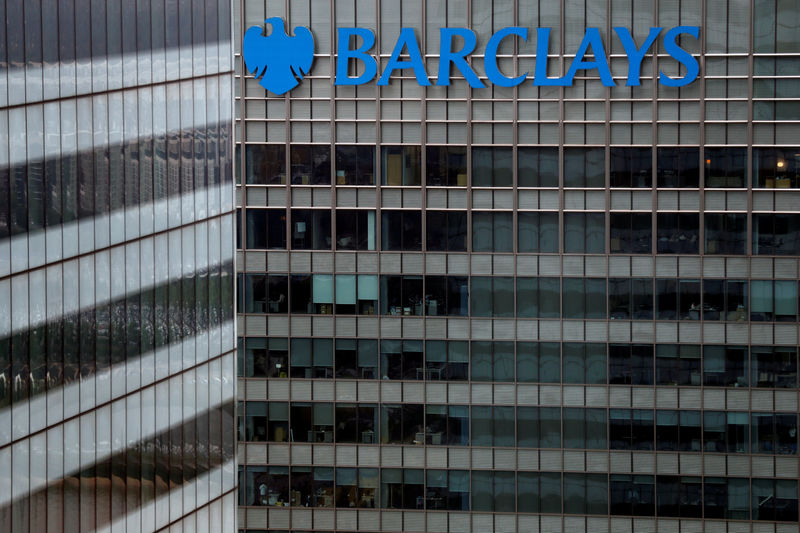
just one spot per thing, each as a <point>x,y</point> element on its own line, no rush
<point>279,61</point>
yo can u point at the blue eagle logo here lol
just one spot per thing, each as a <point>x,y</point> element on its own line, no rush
<point>277,60</point>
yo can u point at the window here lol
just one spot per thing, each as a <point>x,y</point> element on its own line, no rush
<point>584,167</point>
<point>539,362</point>
<point>401,230</point>
<point>492,167</point>
<point>402,424</point>
<point>726,233</point>
<point>311,294</point>
<point>355,229</point>
<point>631,233</point>
<point>679,496</point>
<point>632,495</point>
<point>630,364</point>
<point>726,432</point>
<point>776,234</point>
<point>492,231</point>
<point>538,427</point>
<point>537,167</point>
<point>775,28</point>
<point>774,433</point>
<point>357,358</point>
<point>537,231</point>
<point>266,229</point>
<point>539,492</point>
<point>678,430</point>
<point>585,233</point>
<point>585,428</point>
<point>724,300</point>
<point>583,297</point>
<point>311,164</point>
<point>678,233</point>
<point>447,489</point>
<point>493,491</point>
<point>356,487</point>
<point>773,366</point>
<point>265,164</point>
<point>538,297</point>
<point>678,299</point>
<point>773,300</point>
<point>447,424</point>
<point>584,363</point>
<point>402,295</point>
<point>631,167</point>
<point>630,298</point>
<point>266,486</point>
<point>356,294</point>
<point>774,499</point>
<point>586,494</point>
<point>630,429</point>
<point>312,422</point>
<point>725,167</point>
<point>265,294</point>
<point>725,366</point>
<point>677,364</point>
<point>311,229</point>
<point>492,361</point>
<point>277,422</point>
<point>492,296</point>
<point>678,167</point>
<point>312,487</point>
<point>253,422</point>
<point>266,358</point>
<point>446,231</point>
<point>446,295</point>
<point>726,498</point>
<point>776,168</point>
<point>311,358</point>
<point>356,423</point>
<point>492,426</point>
<point>355,165</point>
<point>401,165</point>
<point>402,360</point>
<point>447,360</point>
<point>402,488</point>
<point>446,166</point>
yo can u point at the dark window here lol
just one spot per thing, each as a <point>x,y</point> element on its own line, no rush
<point>630,429</point>
<point>538,297</point>
<point>311,229</point>
<point>446,231</point>
<point>402,424</point>
<point>355,229</point>
<point>492,426</point>
<point>726,498</point>
<point>356,423</point>
<point>539,362</point>
<point>678,167</point>
<point>679,496</point>
<point>447,489</point>
<point>538,427</point>
<point>678,233</point>
<point>355,165</point>
<point>312,487</point>
<point>631,233</point>
<point>678,430</point>
<point>677,364</point>
<point>311,293</point>
<point>356,487</point>
<point>539,492</point>
<point>537,167</point>
<point>447,360</point>
<point>725,167</point>
<point>726,432</point>
<point>632,495</point>
<point>402,488</point>
<point>356,359</point>
<point>631,167</point>
<point>492,167</point>
<point>585,428</point>
<point>311,422</point>
<point>586,494</point>
<point>446,295</point>
<point>725,366</point>
<point>583,297</point>
<point>773,366</point>
<point>678,299</point>
<point>311,164</point>
<point>402,360</point>
<point>401,230</point>
<point>492,361</point>
<point>776,234</point>
<point>630,364</point>
<point>492,296</point>
<point>253,421</point>
<point>584,167</point>
<point>402,295</point>
<point>492,231</point>
<point>537,231</point>
<point>447,166</point>
<point>585,233</point>
<point>266,358</point>
<point>774,433</point>
<point>630,298</point>
<point>265,164</point>
<point>774,499</point>
<point>401,165</point>
<point>266,229</point>
<point>777,168</point>
<point>584,363</point>
<point>447,424</point>
<point>265,294</point>
<point>724,300</point>
<point>726,233</point>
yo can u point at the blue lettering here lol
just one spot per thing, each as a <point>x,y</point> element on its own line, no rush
<point>447,56</point>
<point>490,57</point>
<point>591,38</point>
<point>540,71</point>
<point>345,54</point>
<point>681,55</point>
<point>408,39</point>
<point>635,55</point>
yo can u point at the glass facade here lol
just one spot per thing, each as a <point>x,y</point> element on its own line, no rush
<point>117,220</point>
<point>530,308</point>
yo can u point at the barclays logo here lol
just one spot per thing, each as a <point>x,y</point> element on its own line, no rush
<point>277,60</point>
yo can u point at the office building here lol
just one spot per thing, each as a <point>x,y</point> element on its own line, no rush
<point>117,334</point>
<point>520,307</point>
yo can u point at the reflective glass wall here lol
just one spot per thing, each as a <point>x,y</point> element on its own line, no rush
<point>117,334</point>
